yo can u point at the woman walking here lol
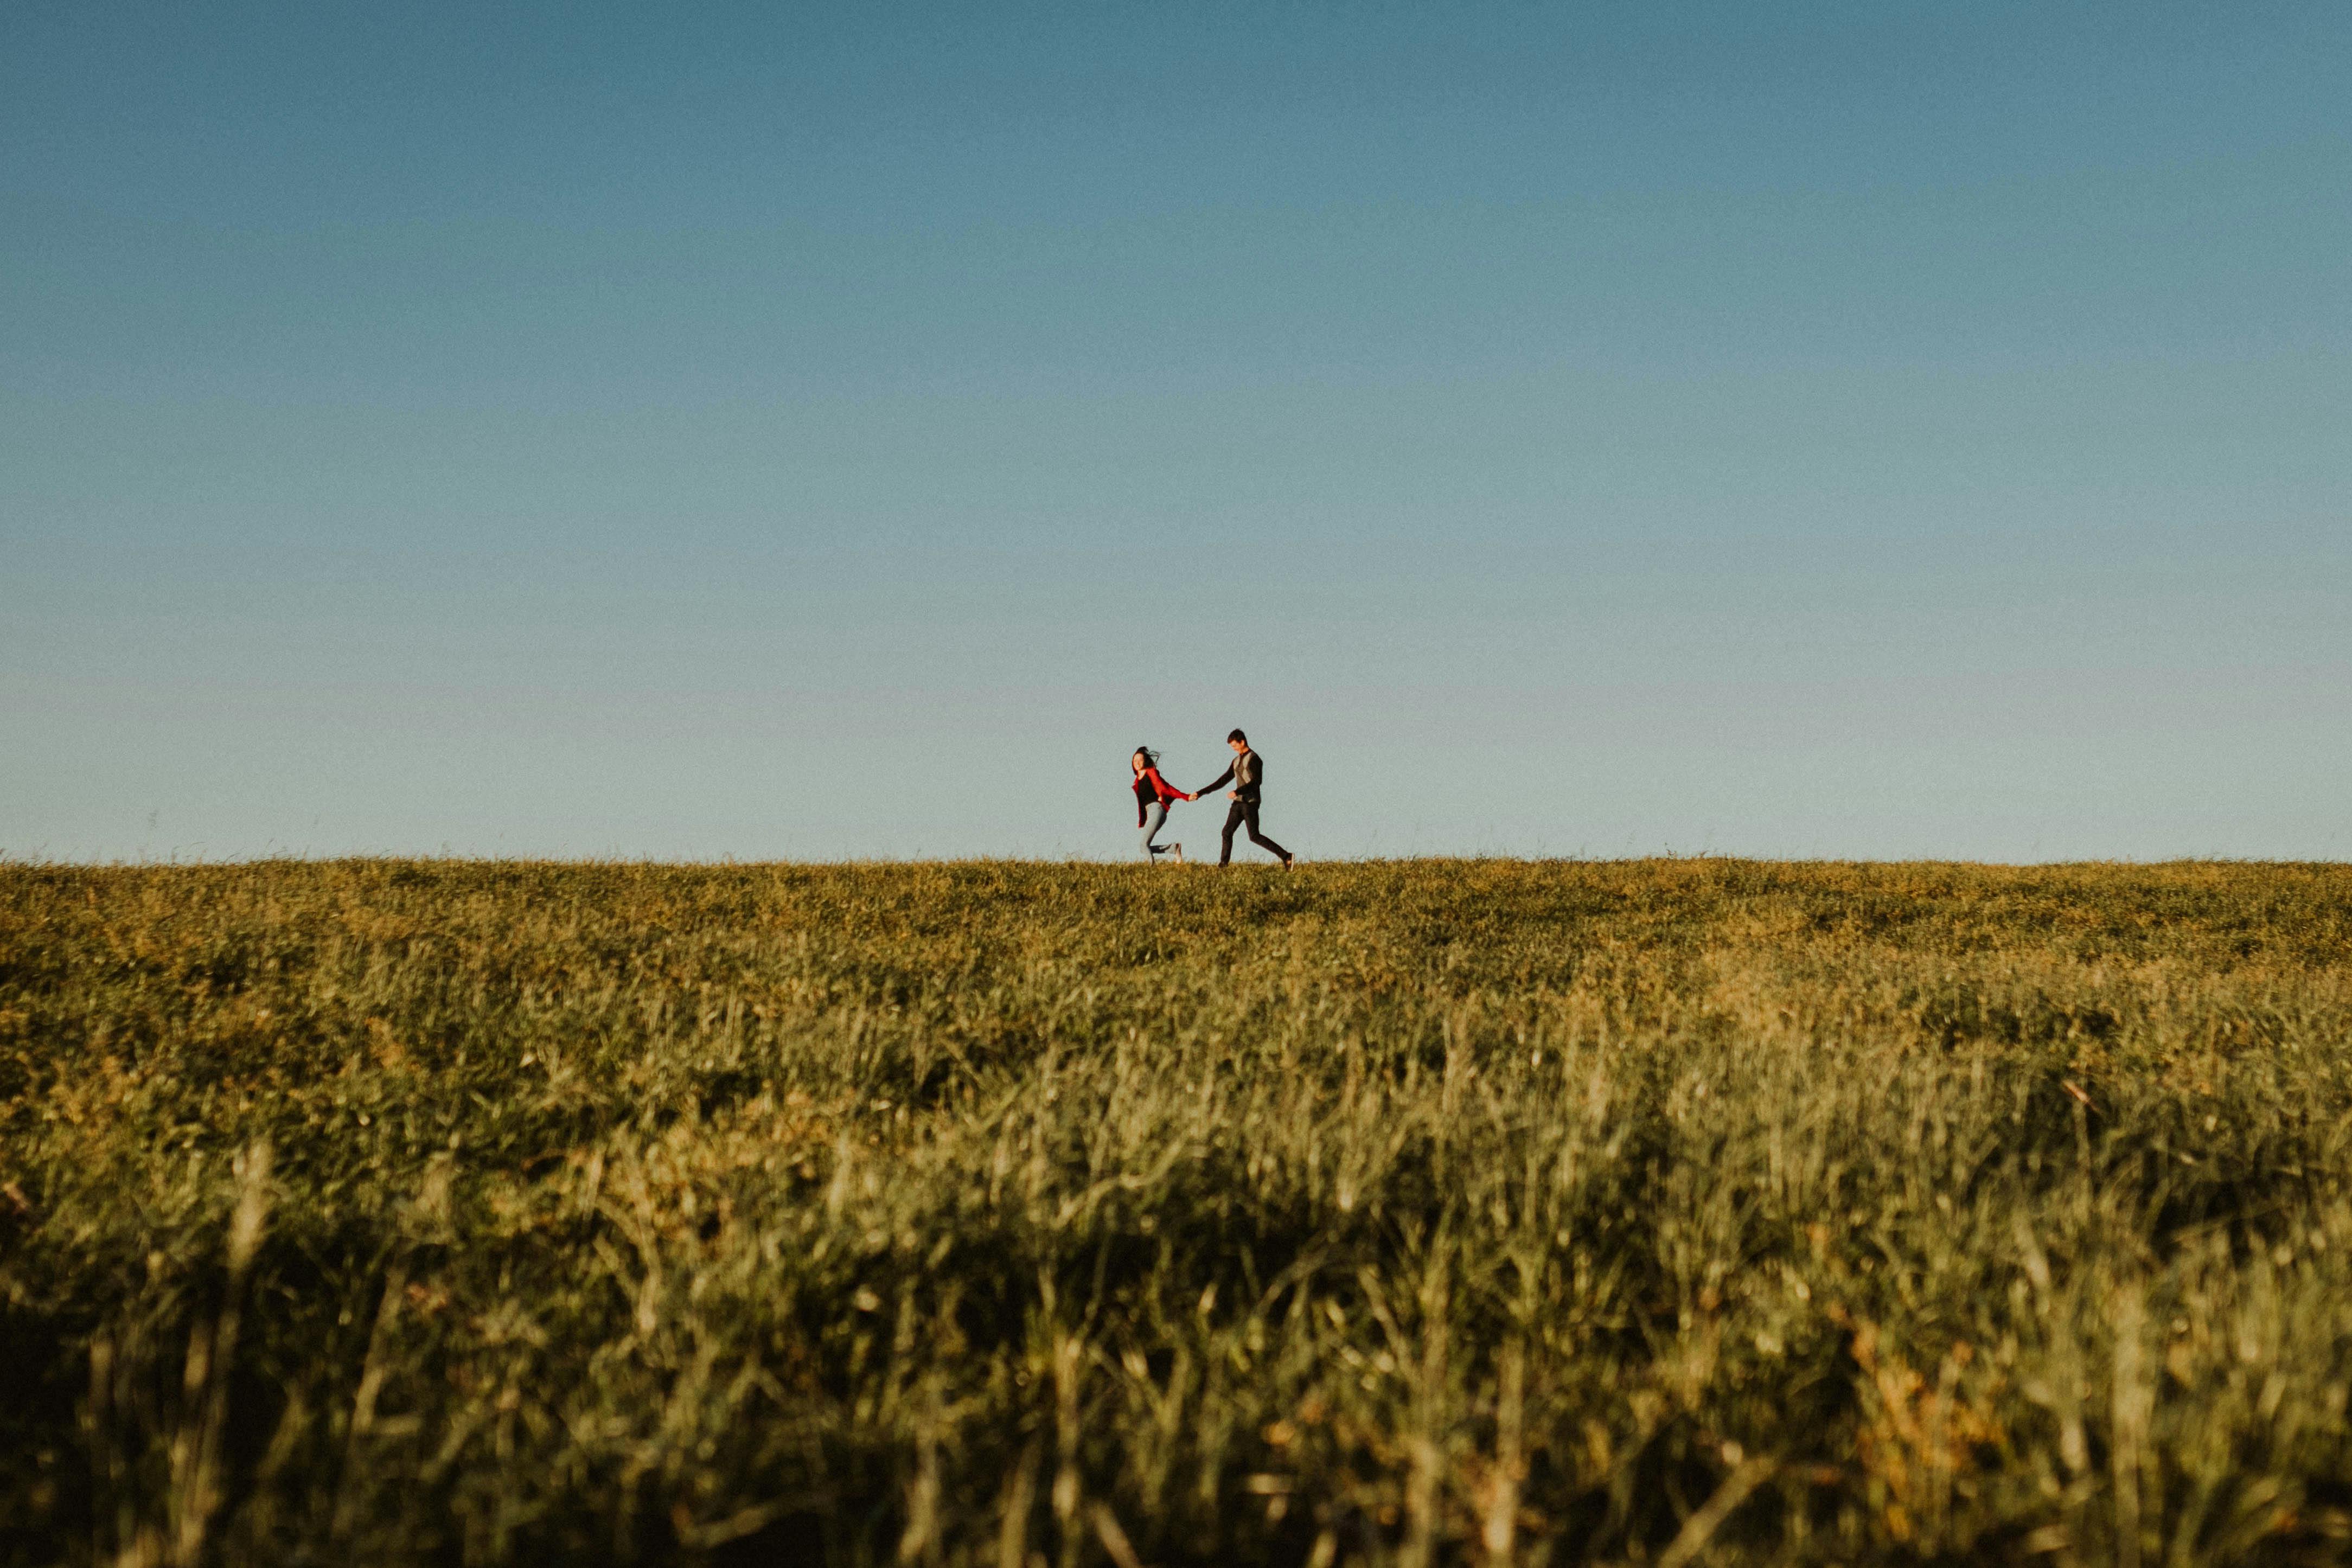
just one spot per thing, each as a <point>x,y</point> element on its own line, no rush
<point>1152,795</point>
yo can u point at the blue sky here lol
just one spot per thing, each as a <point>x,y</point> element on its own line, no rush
<point>1866,429</point>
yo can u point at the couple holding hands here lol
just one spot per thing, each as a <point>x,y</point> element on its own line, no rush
<point>1153,795</point>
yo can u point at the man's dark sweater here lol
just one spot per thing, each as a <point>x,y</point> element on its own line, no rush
<point>1244,775</point>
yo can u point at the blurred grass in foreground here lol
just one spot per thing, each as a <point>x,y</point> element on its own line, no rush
<point>1014,1213</point>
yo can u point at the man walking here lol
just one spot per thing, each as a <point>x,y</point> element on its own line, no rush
<point>1246,774</point>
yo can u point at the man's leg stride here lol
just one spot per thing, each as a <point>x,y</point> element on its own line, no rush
<point>1232,820</point>
<point>1249,815</point>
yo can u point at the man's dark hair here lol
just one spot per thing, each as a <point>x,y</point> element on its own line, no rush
<point>1237,735</point>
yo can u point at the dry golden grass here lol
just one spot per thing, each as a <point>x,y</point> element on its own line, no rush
<point>1673,1212</point>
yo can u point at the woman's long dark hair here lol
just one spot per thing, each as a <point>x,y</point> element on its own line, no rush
<point>1150,758</point>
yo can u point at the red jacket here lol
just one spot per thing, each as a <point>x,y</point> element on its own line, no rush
<point>1150,787</point>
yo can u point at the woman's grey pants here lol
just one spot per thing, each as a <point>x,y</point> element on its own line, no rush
<point>1155,817</point>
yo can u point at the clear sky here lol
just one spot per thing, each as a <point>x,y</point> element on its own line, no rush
<point>827,431</point>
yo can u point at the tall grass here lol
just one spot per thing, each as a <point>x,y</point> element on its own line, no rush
<point>1007,1214</point>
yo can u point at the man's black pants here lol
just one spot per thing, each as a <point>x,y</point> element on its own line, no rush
<point>1245,811</point>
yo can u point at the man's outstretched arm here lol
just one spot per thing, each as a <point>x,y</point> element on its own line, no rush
<point>1219,783</point>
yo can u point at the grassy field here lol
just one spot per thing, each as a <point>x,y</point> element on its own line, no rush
<point>1669,1212</point>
